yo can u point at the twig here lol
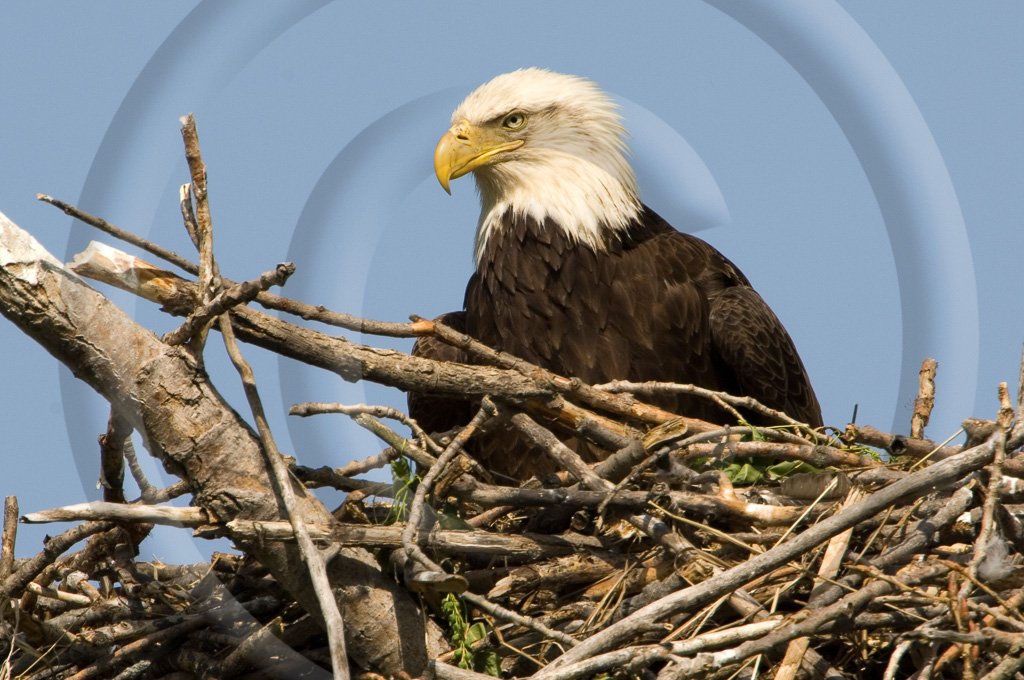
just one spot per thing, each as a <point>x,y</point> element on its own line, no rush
<point>150,494</point>
<point>209,277</point>
<point>570,460</point>
<point>366,416</point>
<point>663,451</point>
<point>699,503</point>
<point>410,535</point>
<point>314,560</point>
<point>573,387</point>
<point>374,462</point>
<point>52,549</point>
<point>377,411</point>
<point>925,399</point>
<point>121,234</point>
<point>983,545</point>
<point>499,612</point>
<point>10,534</point>
<point>188,213</point>
<point>723,399</point>
<point>121,512</point>
<point>112,457</point>
<point>179,488</point>
<point>269,300</point>
<point>897,444</point>
<point>818,456</point>
<point>315,478</point>
<point>640,656</point>
<point>55,594</point>
<point>939,452</point>
<point>516,547</point>
<point>237,294</point>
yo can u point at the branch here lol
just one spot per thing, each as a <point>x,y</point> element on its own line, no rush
<point>197,436</point>
<point>925,399</point>
<point>121,512</point>
<point>310,555</point>
<point>237,294</point>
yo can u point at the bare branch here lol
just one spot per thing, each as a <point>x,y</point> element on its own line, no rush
<point>121,512</point>
<point>310,555</point>
<point>925,399</point>
<point>237,294</point>
<point>10,533</point>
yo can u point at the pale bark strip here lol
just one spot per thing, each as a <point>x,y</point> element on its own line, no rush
<point>10,533</point>
<point>121,512</point>
<point>925,399</point>
<point>187,425</point>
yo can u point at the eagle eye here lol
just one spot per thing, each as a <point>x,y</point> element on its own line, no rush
<point>514,120</point>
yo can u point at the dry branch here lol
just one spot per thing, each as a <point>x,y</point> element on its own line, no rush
<point>185,423</point>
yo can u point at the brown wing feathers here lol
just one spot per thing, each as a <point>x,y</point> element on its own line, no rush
<point>655,305</point>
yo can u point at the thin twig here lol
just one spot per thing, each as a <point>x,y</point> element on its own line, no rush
<point>150,494</point>
<point>121,234</point>
<point>237,294</point>
<point>723,399</point>
<point>619,404</point>
<point>925,398</point>
<point>10,534</point>
<point>313,558</point>
<point>52,549</point>
<point>188,213</point>
<point>112,457</point>
<point>269,300</point>
<point>410,536</point>
<point>373,411</point>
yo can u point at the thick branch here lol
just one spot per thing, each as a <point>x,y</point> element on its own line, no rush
<point>187,425</point>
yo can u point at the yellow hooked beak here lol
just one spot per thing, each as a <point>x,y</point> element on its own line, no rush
<point>465,148</point>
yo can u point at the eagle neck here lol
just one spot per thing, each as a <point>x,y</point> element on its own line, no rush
<point>589,203</point>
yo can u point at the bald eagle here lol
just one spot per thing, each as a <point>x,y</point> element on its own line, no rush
<point>574,273</point>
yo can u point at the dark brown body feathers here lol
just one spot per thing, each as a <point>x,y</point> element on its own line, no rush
<point>656,304</point>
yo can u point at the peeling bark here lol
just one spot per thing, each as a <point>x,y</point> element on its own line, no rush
<point>188,426</point>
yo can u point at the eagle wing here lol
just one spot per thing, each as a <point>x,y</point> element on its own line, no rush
<point>435,412</point>
<point>752,342</point>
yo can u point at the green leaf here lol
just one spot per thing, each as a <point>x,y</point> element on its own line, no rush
<point>743,474</point>
<point>478,631</point>
<point>487,661</point>
<point>449,519</point>
<point>790,467</point>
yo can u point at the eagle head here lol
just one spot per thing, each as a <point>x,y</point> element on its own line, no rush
<point>543,145</point>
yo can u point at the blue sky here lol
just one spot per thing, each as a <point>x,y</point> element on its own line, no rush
<point>861,162</point>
